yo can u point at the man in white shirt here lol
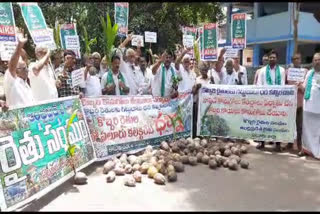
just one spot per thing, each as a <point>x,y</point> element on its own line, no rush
<point>164,74</point>
<point>240,70</point>
<point>114,82</point>
<point>184,71</point>
<point>41,75</point>
<point>16,88</point>
<point>272,74</point>
<point>229,76</point>
<point>92,82</point>
<point>147,76</point>
<point>103,67</point>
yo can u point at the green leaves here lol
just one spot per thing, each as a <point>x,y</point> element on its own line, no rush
<point>87,42</point>
<point>109,36</point>
<point>71,148</point>
<point>56,34</point>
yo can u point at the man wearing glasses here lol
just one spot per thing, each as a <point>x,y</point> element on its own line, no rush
<point>17,89</point>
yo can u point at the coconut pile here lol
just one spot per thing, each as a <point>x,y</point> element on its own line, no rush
<point>163,164</point>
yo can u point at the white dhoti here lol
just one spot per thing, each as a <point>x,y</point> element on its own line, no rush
<point>311,133</point>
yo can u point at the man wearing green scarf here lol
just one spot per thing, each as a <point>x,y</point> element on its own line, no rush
<point>311,110</point>
<point>271,74</point>
<point>164,74</point>
<point>114,82</point>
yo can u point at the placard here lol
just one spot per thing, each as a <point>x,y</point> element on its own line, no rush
<point>150,37</point>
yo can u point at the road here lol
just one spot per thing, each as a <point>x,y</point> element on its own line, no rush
<point>274,182</point>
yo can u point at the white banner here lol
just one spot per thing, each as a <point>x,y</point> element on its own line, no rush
<point>150,37</point>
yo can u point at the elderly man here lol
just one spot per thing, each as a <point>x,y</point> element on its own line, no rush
<point>164,75</point>
<point>311,109</point>
<point>184,71</point>
<point>296,64</point>
<point>229,76</point>
<point>41,75</point>
<point>240,70</point>
<point>115,82</point>
<point>16,88</point>
<point>64,80</point>
<point>271,74</point>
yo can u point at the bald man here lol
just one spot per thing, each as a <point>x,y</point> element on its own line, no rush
<point>16,88</point>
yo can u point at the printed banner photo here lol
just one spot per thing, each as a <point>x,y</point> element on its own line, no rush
<point>36,24</point>
<point>121,124</point>
<point>121,16</point>
<point>210,43</point>
<point>263,113</point>
<point>189,31</point>
<point>34,152</point>
<point>7,31</point>
<point>239,31</point>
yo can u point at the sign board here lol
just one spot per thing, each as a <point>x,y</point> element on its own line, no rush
<point>77,77</point>
<point>136,39</point>
<point>296,74</point>
<point>150,37</point>
<point>239,30</point>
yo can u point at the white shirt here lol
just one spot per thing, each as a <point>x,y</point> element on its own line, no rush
<point>43,86</point>
<point>115,80</point>
<point>244,78</point>
<point>156,88</point>
<point>17,91</point>
<point>188,79</point>
<point>313,104</point>
<point>203,82</point>
<point>147,83</point>
<point>229,79</point>
<point>102,71</point>
<point>213,73</point>
<point>262,80</point>
<point>92,86</point>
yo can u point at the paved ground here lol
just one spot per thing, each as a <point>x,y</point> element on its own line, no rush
<point>274,182</point>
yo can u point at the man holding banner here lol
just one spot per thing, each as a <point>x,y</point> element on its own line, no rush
<point>271,74</point>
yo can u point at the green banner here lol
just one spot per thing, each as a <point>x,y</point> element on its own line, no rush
<point>201,42</point>
<point>238,30</point>
<point>121,16</point>
<point>33,150</point>
<point>210,43</point>
<point>263,113</point>
<point>120,124</point>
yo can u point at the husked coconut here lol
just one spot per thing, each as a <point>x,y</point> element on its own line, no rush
<point>119,170</point>
<point>204,143</point>
<point>128,169</point>
<point>129,181</point>
<point>243,149</point>
<point>137,176</point>
<point>205,159</point>
<point>170,168</point>
<point>244,164</point>
<point>176,157</point>
<point>159,178</point>
<point>123,158</point>
<point>199,156</point>
<point>136,167</point>
<point>235,157</point>
<point>144,168</point>
<point>175,148</point>
<point>232,164</point>
<point>192,161</point>
<point>107,167</point>
<point>164,145</point>
<point>149,149</point>
<point>185,159</point>
<point>111,176</point>
<point>189,140</point>
<point>227,153</point>
<point>226,164</point>
<point>212,164</point>
<point>217,153</point>
<point>152,171</point>
<point>179,167</point>
<point>172,176</point>
<point>132,159</point>
<point>80,178</point>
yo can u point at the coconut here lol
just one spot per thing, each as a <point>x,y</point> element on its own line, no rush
<point>217,153</point>
<point>243,149</point>
<point>152,171</point>
<point>136,167</point>
<point>132,159</point>
<point>176,157</point>
<point>191,146</point>
<point>235,157</point>
<point>153,161</point>
<point>232,164</point>
<point>230,144</point>
<point>119,170</point>
<point>199,156</point>
<point>123,158</point>
<point>244,164</point>
<point>116,160</point>
<point>192,161</point>
<point>204,143</point>
<point>137,176</point>
<point>111,176</point>
<point>161,168</point>
<point>178,166</point>
<point>164,145</point>
<point>205,159</point>
<point>144,168</point>
<point>159,178</point>
<point>185,159</point>
<point>80,178</point>
<point>226,163</point>
<point>129,181</point>
<point>212,164</point>
<point>170,168</point>
<point>128,169</point>
<point>189,140</point>
<point>197,145</point>
<point>172,176</point>
<point>149,149</point>
<point>107,167</point>
<point>227,152</point>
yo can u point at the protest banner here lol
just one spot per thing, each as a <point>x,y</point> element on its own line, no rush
<point>150,37</point>
<point>136,39</point>
<point>7,31</point>
<point>238,30</point>
<point>263,113</point>
<point>187,41</point>
<point>296,74</point>
<point>67,30</point>
<point>33,150</point>
<point>230,52</point>
<point>121,124</point>
<point>73,43</point>
<point>189,31</point>
<point>121,16</point>
<point>36,24</point>
<point>210,43</point>
<point>77,77</point>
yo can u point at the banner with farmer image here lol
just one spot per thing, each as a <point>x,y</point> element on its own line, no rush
<point>121,124</point>
<point>265,113</point>
<point>35,154</point>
